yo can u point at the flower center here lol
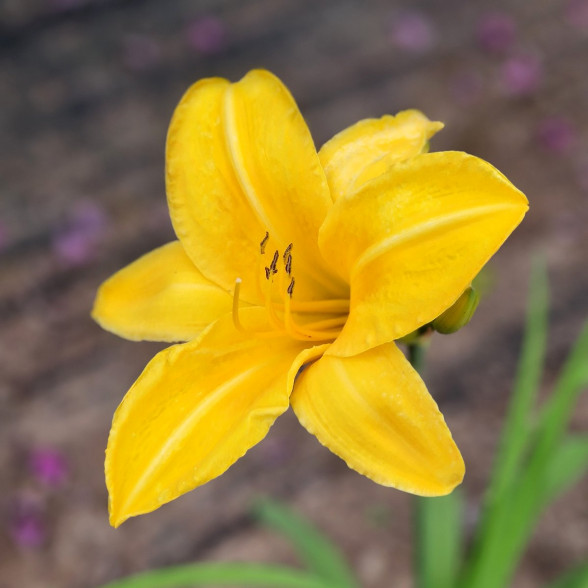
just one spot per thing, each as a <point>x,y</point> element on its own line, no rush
<point>303,320</point>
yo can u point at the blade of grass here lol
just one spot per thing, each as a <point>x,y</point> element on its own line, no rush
<point>438,529</point>
<point>533,492</point>
<point>222,574</point>
<point>440,540</point>
<point>528,501</point>
<point>514,517</point>
<point>516,430</point>
<point>568,464</point>
<point>317,553</point>
<point>488,556</point>
<point>557,410</point>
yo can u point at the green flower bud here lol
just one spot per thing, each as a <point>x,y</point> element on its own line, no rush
<point>458,315</point>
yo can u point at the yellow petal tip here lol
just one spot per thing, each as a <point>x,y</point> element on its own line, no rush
<point>116,521</point>
<point>446,483</point>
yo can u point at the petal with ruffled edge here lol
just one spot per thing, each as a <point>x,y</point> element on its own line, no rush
<point>374,412</point>
<point>412,240</point>
<point>240,163</point>
<point>160,297</point>
<point>194,411</point>
<point>368,148</point>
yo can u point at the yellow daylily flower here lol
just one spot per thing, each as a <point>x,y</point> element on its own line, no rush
<point>293,274</point>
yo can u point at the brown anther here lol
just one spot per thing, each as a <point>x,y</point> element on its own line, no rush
<point>291,287</point>
<point>274,263</point>
<point>267,273</point>
<point>264,243</point>
<point>287,253</point>
<point>289,265</point>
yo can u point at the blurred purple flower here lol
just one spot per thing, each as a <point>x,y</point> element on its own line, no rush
<point>28,531</point>
<point>521,74</point>
<point>466,88</point>
<point>576,12</point>
<point>49,466</point>
<point>556,134</point>
<point>412,32</point>
<point>496,32</point>
<point>140,52</point>
<point>207,35</point>
<point>26,526</point>
<point>73,248</point>
<point>77,241</point>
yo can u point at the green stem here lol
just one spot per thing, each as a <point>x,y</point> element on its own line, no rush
<point>416,356</point>
<point>437,528</point>
<point>222,574</point>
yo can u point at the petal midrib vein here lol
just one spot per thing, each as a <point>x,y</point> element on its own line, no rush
<point>231,137</point>
<point>448,221</point>
<point>214,397</point>
<point>412,449</point>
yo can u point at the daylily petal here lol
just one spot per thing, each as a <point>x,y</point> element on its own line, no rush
<point>194,411</point>
<point>240,163</point>
<point>160,297</point>
<point>374,411</point>
<point>305,358</point>
<point>368,148</point>
<point>413,239</point>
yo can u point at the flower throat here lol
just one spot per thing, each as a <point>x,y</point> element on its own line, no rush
<point>277,292</point>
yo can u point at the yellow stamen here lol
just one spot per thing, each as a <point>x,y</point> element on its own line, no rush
<point>280,308</point>
<point>327,323</point>
<point>305,333</point>
<point>236,320</point>
<point>336,306</point>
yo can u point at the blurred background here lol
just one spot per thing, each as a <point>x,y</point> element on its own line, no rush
<point>87,88</point>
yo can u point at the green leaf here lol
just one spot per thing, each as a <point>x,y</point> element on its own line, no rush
<point>569,462</point>
<point>545,463</point>
<point>439,540</point>
<point>316,551</point>
<point>490,561</point>
<point>222,574</point>
<point>516,431</point>
<point>576,578</point>
<point>552,464</point>
<point>438,533</point>
<point>557,410</point>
